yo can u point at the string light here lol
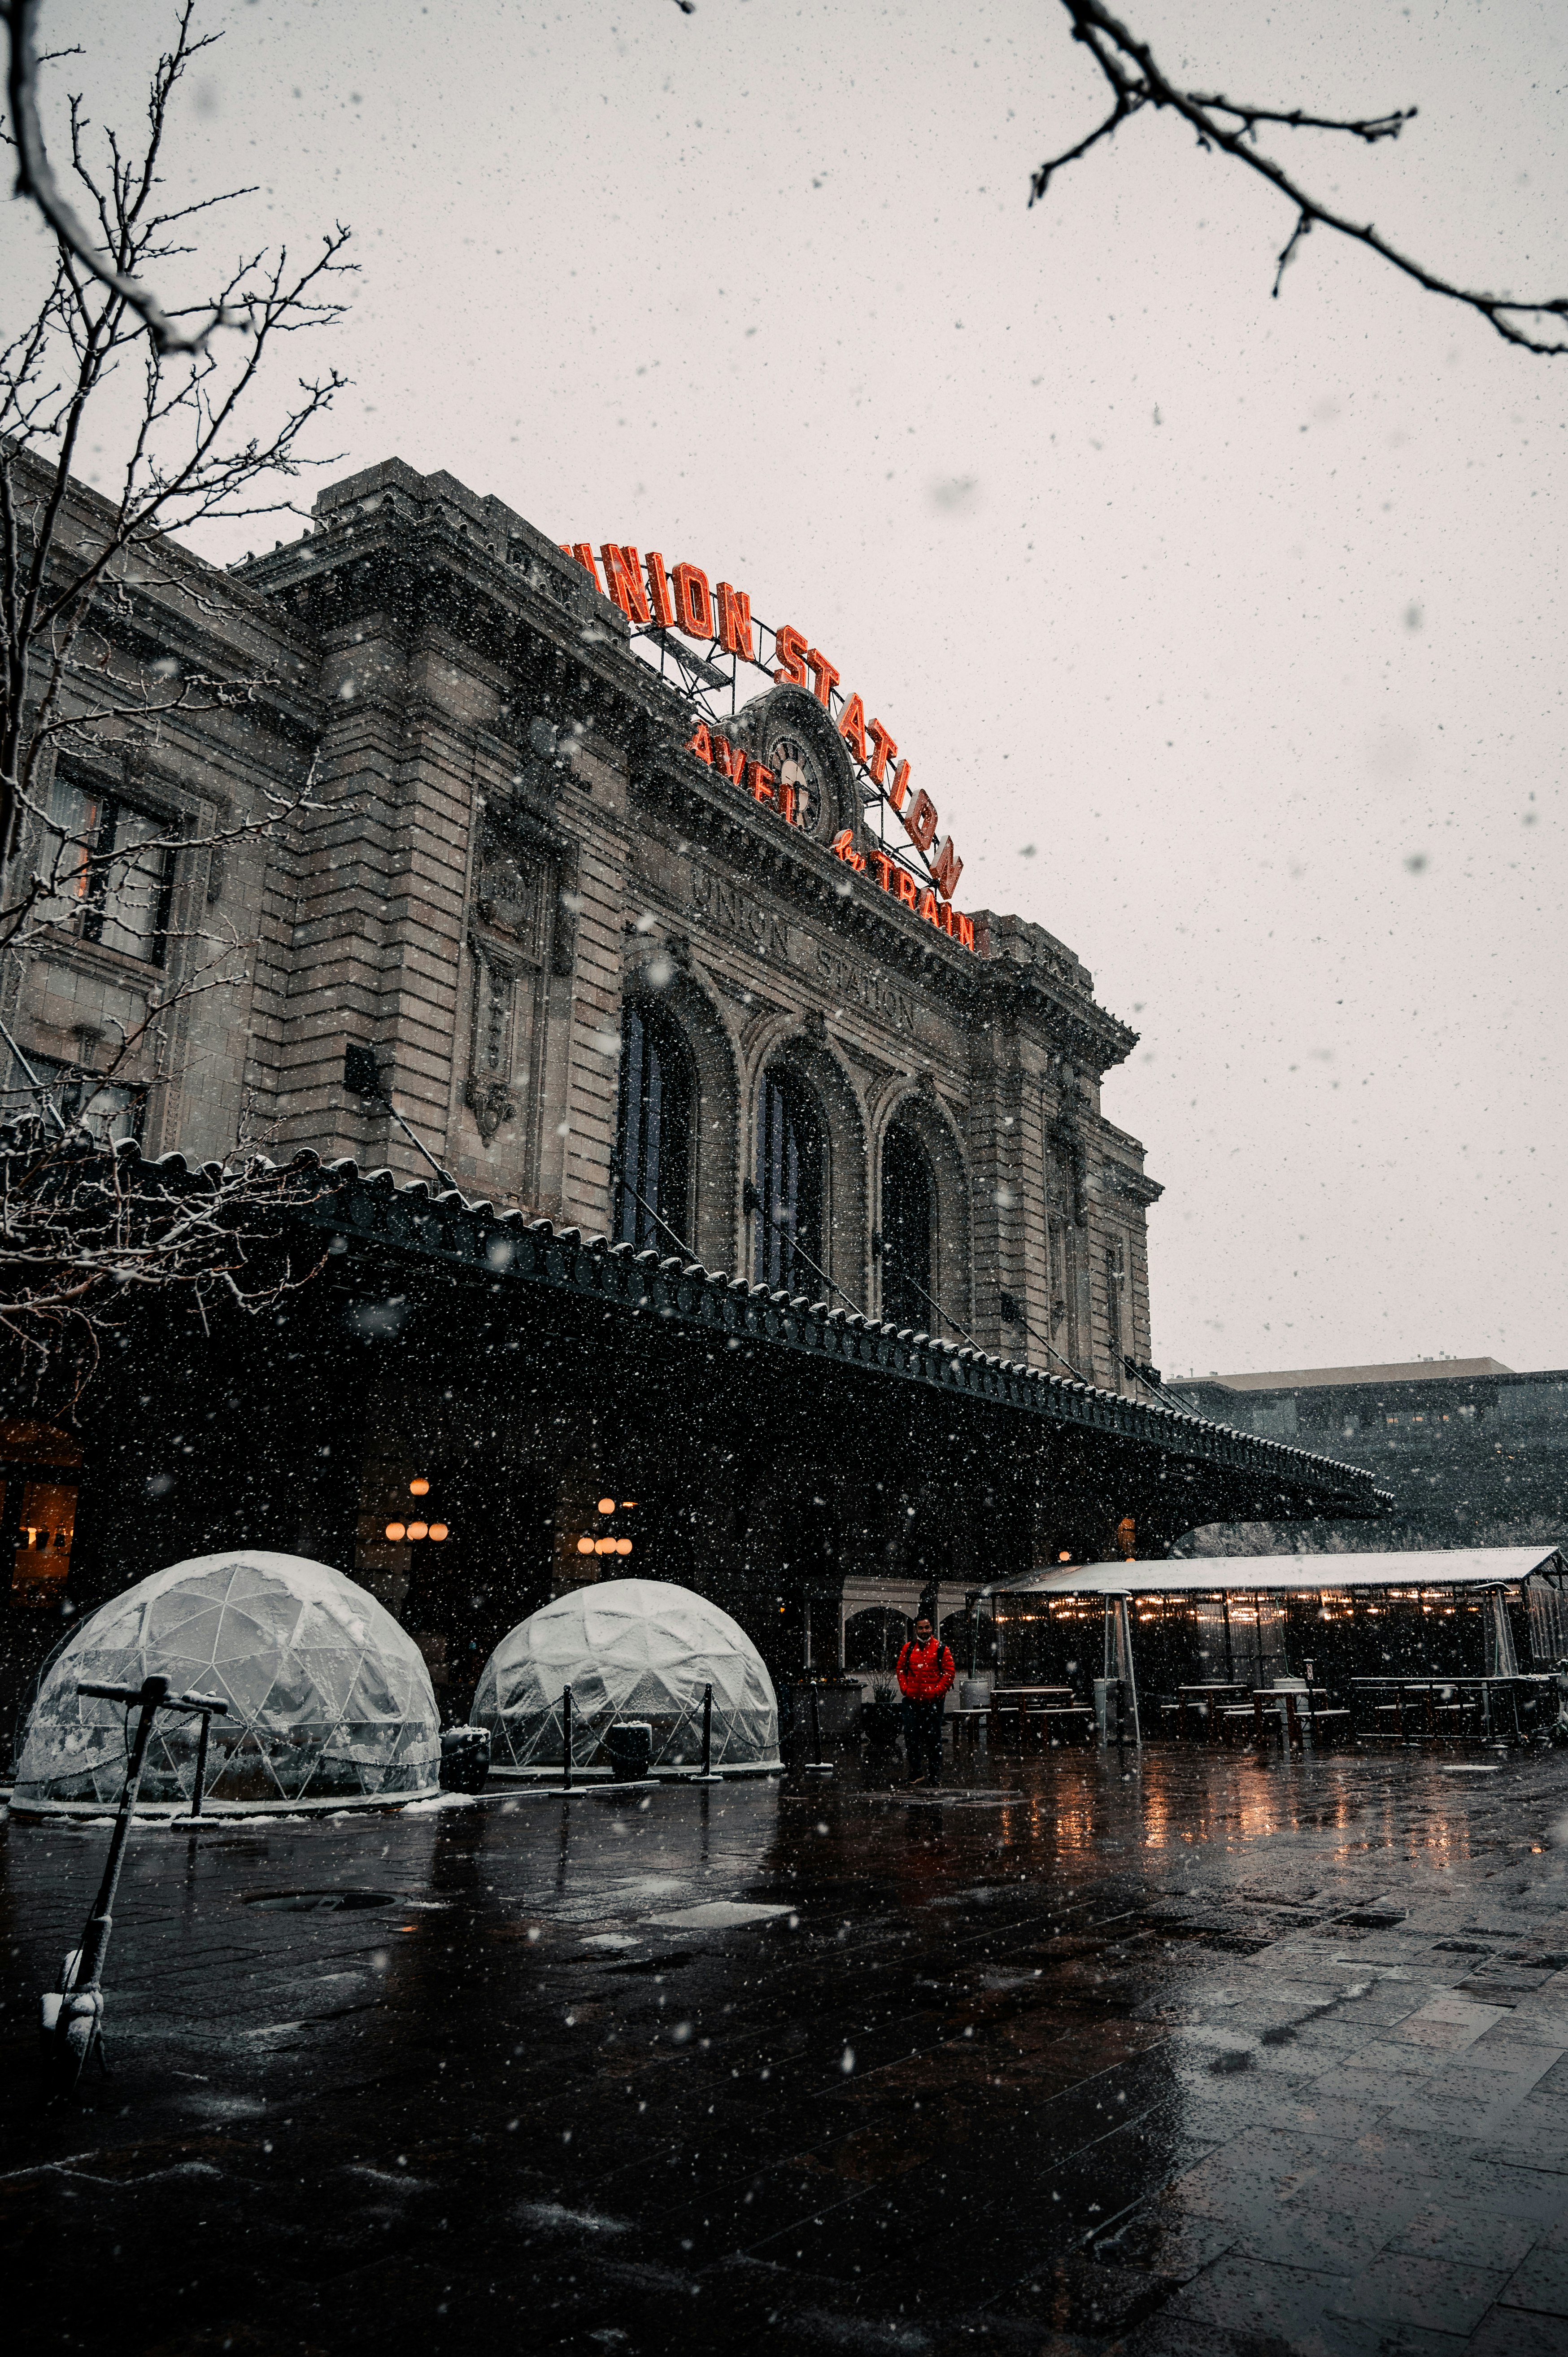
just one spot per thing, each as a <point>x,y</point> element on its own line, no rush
<point>395,1530</point>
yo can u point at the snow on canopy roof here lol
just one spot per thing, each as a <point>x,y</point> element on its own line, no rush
<point>1423,1567</point>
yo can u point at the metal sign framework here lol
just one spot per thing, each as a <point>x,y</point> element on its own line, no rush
<point>707,674</point>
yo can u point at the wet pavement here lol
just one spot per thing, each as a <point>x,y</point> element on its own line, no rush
<point>1231,2055</point>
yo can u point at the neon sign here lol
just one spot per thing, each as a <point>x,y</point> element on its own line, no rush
<point>657,600</point>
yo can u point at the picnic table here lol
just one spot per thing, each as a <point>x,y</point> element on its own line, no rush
<point>1431,1709</point>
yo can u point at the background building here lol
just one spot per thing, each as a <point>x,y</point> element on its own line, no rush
<point>1473,1453</point>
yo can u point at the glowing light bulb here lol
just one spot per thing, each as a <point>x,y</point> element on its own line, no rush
<point>438,1530</point>
<point>395,1530</point>
<point>606,1505</point>
<point>623,1546</point>
<point>417,1530</point>
<point>419,1489</point>
<point>585,1546</point>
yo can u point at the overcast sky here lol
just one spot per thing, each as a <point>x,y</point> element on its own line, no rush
<point>1226,632</point>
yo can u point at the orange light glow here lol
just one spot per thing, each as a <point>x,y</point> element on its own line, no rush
<point>623,1546</point>
<point>585,1546</point>
<point>417,1530</point>
<point>395,1530</point>
<point>419,1489</point>
<point>606,1505</point>
<point>604,1546</point>
<point>626,1505</point>
<point>438,1530</point>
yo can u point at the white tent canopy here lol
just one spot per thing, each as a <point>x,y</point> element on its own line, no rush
<point>1414,1567</point>
<point>629,1649</point>
<point>330,1700</point>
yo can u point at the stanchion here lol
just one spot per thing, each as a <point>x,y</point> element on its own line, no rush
<point>566,1738</point>
<point>816,1765</point>
<point>705,1774</point>
<point>200,1787</point>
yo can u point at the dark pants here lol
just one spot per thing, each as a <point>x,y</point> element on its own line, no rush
<point>923,1737</point>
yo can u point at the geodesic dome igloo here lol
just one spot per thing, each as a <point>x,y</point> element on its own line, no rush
<point>637,1649</point>
<point>330,1702</point>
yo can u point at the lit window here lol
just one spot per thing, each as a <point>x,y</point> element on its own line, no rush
<point>115,869</point>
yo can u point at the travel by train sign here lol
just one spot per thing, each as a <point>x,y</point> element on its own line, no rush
<point>660,601</point>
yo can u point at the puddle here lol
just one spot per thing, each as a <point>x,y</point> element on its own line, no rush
<point>719,1915</point>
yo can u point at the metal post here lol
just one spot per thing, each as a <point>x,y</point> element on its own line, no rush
<point>100,1923</point>
<point>816,1729</point>
<point>567,1737</point>
<point>200,1784</point>
<point>1121,1720</point>
<point>707,1730</point>
<point>1118,1657</point>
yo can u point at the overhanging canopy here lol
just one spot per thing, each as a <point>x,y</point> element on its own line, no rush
<point>1424,1567</point>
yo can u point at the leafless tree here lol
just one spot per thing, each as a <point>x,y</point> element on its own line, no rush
<point>169,388</point>
<point>87,1236</point>
<point>189,455</point>
<point>1225,127</point>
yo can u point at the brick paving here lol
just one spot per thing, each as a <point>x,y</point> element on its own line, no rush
<point>1234,2056</point>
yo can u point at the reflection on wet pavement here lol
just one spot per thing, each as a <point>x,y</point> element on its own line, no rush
<point>1229,2054</point>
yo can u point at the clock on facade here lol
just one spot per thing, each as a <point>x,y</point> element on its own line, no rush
<point>804,789</point>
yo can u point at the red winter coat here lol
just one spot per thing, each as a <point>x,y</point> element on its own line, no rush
<point>926,1672</point>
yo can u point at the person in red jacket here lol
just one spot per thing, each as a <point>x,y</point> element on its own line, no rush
<point>925,1673</point>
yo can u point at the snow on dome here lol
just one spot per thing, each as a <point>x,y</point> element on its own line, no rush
<point>329,1699</point>
<point>629,1649</point>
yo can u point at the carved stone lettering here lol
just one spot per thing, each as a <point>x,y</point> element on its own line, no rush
<point>722,903</point>
<point>866,988</point>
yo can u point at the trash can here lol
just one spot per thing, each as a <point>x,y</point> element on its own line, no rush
<point>465,1758</point>
<point>974,1694</point>
<point>631,1747</point>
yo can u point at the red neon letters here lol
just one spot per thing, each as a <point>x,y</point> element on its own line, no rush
<point>681,599</point>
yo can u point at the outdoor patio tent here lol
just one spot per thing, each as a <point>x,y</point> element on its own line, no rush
<point>1450,1611</point>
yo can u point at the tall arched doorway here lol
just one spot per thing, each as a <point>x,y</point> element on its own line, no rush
<point>653,1134</point>
<point>788,1244</point>
<point>908,1219</point>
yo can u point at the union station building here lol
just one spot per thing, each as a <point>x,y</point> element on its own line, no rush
<point>706,1188</point>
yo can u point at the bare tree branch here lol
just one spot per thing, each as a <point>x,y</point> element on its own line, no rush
<point>36,178</point>
<point>85,577</point>
<point>65,555</point>
<point>1137,81</point>
<point>86,1233</point>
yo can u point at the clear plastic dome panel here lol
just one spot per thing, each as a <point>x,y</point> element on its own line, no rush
<point>629,1649</point>
<point>330,1698</point>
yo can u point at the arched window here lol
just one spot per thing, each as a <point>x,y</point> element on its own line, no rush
<point>908,1203</point>
<point>653,1135</point>
<point>789,1187</point>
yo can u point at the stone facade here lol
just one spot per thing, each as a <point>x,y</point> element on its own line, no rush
<point>506,839</point>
